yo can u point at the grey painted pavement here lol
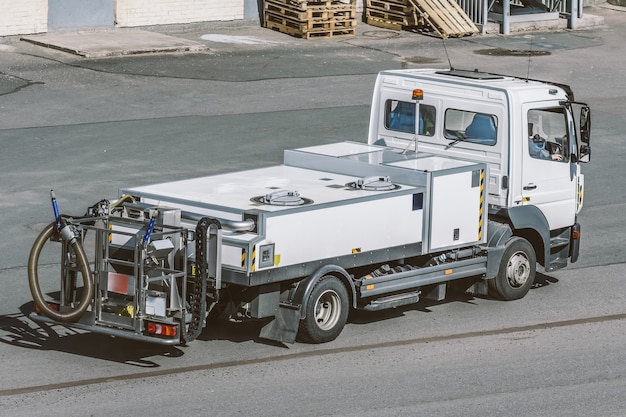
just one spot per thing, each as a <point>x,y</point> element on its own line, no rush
<point>113,42</point>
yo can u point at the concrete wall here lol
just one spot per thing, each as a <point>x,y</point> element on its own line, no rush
<point>18,17</point>
<point>161,12</point>
<point>23,16</point>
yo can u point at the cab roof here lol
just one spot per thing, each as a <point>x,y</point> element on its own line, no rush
<point>480,78</point>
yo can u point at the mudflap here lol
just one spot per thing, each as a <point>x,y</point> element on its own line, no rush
<point>284,326</point>
<point>574,246</point>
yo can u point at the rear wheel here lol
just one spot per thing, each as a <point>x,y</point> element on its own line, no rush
<point>326,311</point>
<point>517,271</point>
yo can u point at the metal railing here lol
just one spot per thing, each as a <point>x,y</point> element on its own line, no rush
<point>478,10</point>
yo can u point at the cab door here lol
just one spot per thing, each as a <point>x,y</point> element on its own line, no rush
<point>548,175</point>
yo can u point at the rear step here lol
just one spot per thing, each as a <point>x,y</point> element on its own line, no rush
<point>393,301</point>
<point>559,252</point>
<point>557,242</point>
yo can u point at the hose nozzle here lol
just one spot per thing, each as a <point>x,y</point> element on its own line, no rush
<point>55,208</point>
<point>67,233</point>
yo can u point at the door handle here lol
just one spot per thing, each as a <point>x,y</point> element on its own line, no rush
<point>530,187</point>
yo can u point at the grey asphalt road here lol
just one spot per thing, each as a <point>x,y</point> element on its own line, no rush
<point>87,127</point>
<point>540,356</point>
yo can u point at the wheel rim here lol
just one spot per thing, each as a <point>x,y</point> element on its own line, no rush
<point>518,270</point>
<point>327,310</point>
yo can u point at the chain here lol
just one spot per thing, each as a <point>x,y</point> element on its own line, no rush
<point>198,292</point>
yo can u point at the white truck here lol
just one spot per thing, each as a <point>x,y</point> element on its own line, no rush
<point>468,179</point>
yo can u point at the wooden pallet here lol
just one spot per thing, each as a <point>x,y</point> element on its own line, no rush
<point>383,23</point>
<point>313,33</point>
<point>305,4</point>
<point>308,19</point>
<point>391,14</point>
<point>392,18</point>
<point>311,24</point>
<point>340,12</point>
<point>389,5</point>
<point>444,17</point>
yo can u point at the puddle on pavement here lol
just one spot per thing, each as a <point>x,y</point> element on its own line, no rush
<point>421,60</point>
<point>380,34</point>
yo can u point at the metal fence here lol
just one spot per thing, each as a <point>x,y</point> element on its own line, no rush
<point>478,10</point>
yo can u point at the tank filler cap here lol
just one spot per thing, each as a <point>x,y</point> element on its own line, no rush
<point>374,183</point>
<point>282,198</point>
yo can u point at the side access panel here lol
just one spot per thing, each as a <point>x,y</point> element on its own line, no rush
<point>455,206</point>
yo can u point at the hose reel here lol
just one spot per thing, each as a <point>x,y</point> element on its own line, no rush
<point>74,250</point>
<point>62,231</point>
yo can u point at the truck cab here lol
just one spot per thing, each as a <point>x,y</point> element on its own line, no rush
<point>525,131</point>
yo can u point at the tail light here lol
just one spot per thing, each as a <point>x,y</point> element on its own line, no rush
<point>160,329</point>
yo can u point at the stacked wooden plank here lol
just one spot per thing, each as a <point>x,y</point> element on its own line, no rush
<point>391,14</point>
<point>442,17</point>
<point>310,18</point>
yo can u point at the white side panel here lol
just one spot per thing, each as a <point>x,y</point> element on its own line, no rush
<point>231,256</point>
<point>456,213</point>
<point>337,231</point>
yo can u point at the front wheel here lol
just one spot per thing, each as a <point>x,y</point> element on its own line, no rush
<point>517,271</point>
<point>326,311</point>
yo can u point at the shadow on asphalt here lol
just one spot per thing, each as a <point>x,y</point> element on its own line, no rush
<point>19,330</point>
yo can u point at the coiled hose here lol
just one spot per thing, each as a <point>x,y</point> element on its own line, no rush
<point>33,278</point>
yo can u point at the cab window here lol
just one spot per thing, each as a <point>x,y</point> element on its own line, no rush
<point>468,126</point>
<point>547,134</point>
<point>400,117</point>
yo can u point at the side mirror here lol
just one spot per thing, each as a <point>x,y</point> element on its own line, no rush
<point>585,124</point>
<point>585,134</point>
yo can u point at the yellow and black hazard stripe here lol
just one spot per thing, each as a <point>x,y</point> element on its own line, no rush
<point>580,195</point>
<point>252,261</point>
<point>481,214</point>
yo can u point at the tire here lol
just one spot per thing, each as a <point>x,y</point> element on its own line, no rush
<point>517,271</point>
<point>326,311</point>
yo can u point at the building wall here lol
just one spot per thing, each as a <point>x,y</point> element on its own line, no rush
<point>78,14</point>
<point>23,16</point>
<point>18,17</point>
<point>161,12</point>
